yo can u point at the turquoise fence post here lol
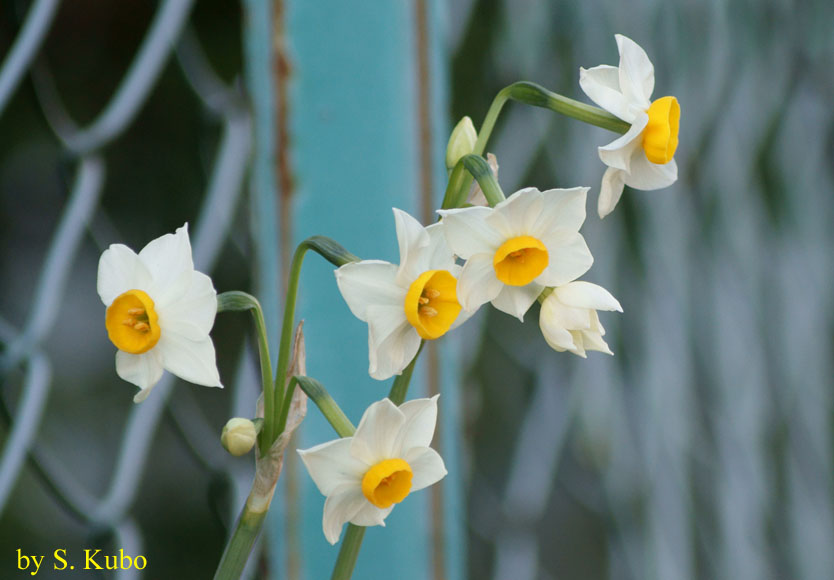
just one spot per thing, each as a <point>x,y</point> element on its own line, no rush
<point>361,142</point>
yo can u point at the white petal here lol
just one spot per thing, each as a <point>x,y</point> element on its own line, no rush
<point>370,515</point>
<point>168,259</point>
<point>579,343</point>
<point>567,261</point>
<point>602,85</point>
<point>369,283</point>
<point>427,467</point>
<point>120,270</point>
<point>557,337</point>
<point>477,283</point>
<point>594,341</point>
<point>516,300</point>
<point>191,360</point>
<point>468,233</point>
<point>412,239</point>
<point>143,370</point>
<point>142,395</point>
<point>340,507</point>
<point>562,209</point>
<point>420,421</point>
<point>392,341</point>
<point>636,72</point>
<point>647,175</point>
<point>517,215</point>
<point>191,315</point>
<point>610,191</point>
<point>619,153</point>
<point>586,295</point>
<point>377,433</point>
<point>438,254</point>
<point>331,465</point>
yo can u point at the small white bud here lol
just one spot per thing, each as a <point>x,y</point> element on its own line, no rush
<point>462,142</point>
<point>239,436</point>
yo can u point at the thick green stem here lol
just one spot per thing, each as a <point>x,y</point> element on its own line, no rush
<point>240,545</point>
<point>400,387</point>
<point>348,553</point>
<point>537,96</point>
<point>237,301</point>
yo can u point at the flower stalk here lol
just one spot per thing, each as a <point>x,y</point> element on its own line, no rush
<point>334,253</point>
<point>238,301</point>
<point>536,96</point>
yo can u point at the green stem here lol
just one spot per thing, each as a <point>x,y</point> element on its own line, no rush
<point>400,387</point>
<point>328,407</point>
<point>348,552</point>
<point>480,170</point>
<point>537,96</point>
<point>336,255</point>
<point>240,545</point>
<point>238,301</point>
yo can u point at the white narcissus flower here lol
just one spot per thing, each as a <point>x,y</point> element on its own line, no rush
<point>159,312</point>
<point>386,459</point>
<point>402,304</point>
<point>643,157</point>
<point>569,319</point>
<point>513,251</point>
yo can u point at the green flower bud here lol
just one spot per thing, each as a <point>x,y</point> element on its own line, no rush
<point>462,142</point>
<point>239,436</point>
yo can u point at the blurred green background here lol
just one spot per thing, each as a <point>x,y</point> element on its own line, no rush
<point>703,449</point>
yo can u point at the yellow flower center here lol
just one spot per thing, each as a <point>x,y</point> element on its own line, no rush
<point>660,138</point>
<point>519,260</point>
<point>431,303</point>
<point>388,482</point>
<point>132,323</point>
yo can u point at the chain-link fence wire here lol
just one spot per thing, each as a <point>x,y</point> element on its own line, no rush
<point>703,449</point>
<point>98,460</point>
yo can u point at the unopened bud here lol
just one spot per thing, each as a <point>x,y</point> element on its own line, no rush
<point>239,436</point>
<point>462,142</point>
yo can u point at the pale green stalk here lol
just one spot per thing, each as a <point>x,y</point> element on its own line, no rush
<point>238,301</point>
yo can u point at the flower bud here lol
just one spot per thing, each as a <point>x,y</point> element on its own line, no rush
<point>462,142</point>
<point>239,436</point>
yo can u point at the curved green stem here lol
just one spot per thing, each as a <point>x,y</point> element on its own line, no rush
<point>238,301</point>
<point>336,255</point>
<point>328,407</point>
<point>537,96</point>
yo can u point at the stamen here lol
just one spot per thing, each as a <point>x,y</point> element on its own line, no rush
<point>136,311</point>
<point>129,322</point>
<point>428,311</point>
<point>141,327</point>
<point>423,300</point>
<point>431,293</point>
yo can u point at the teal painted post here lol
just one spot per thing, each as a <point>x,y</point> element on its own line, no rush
<point>355,153</point>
